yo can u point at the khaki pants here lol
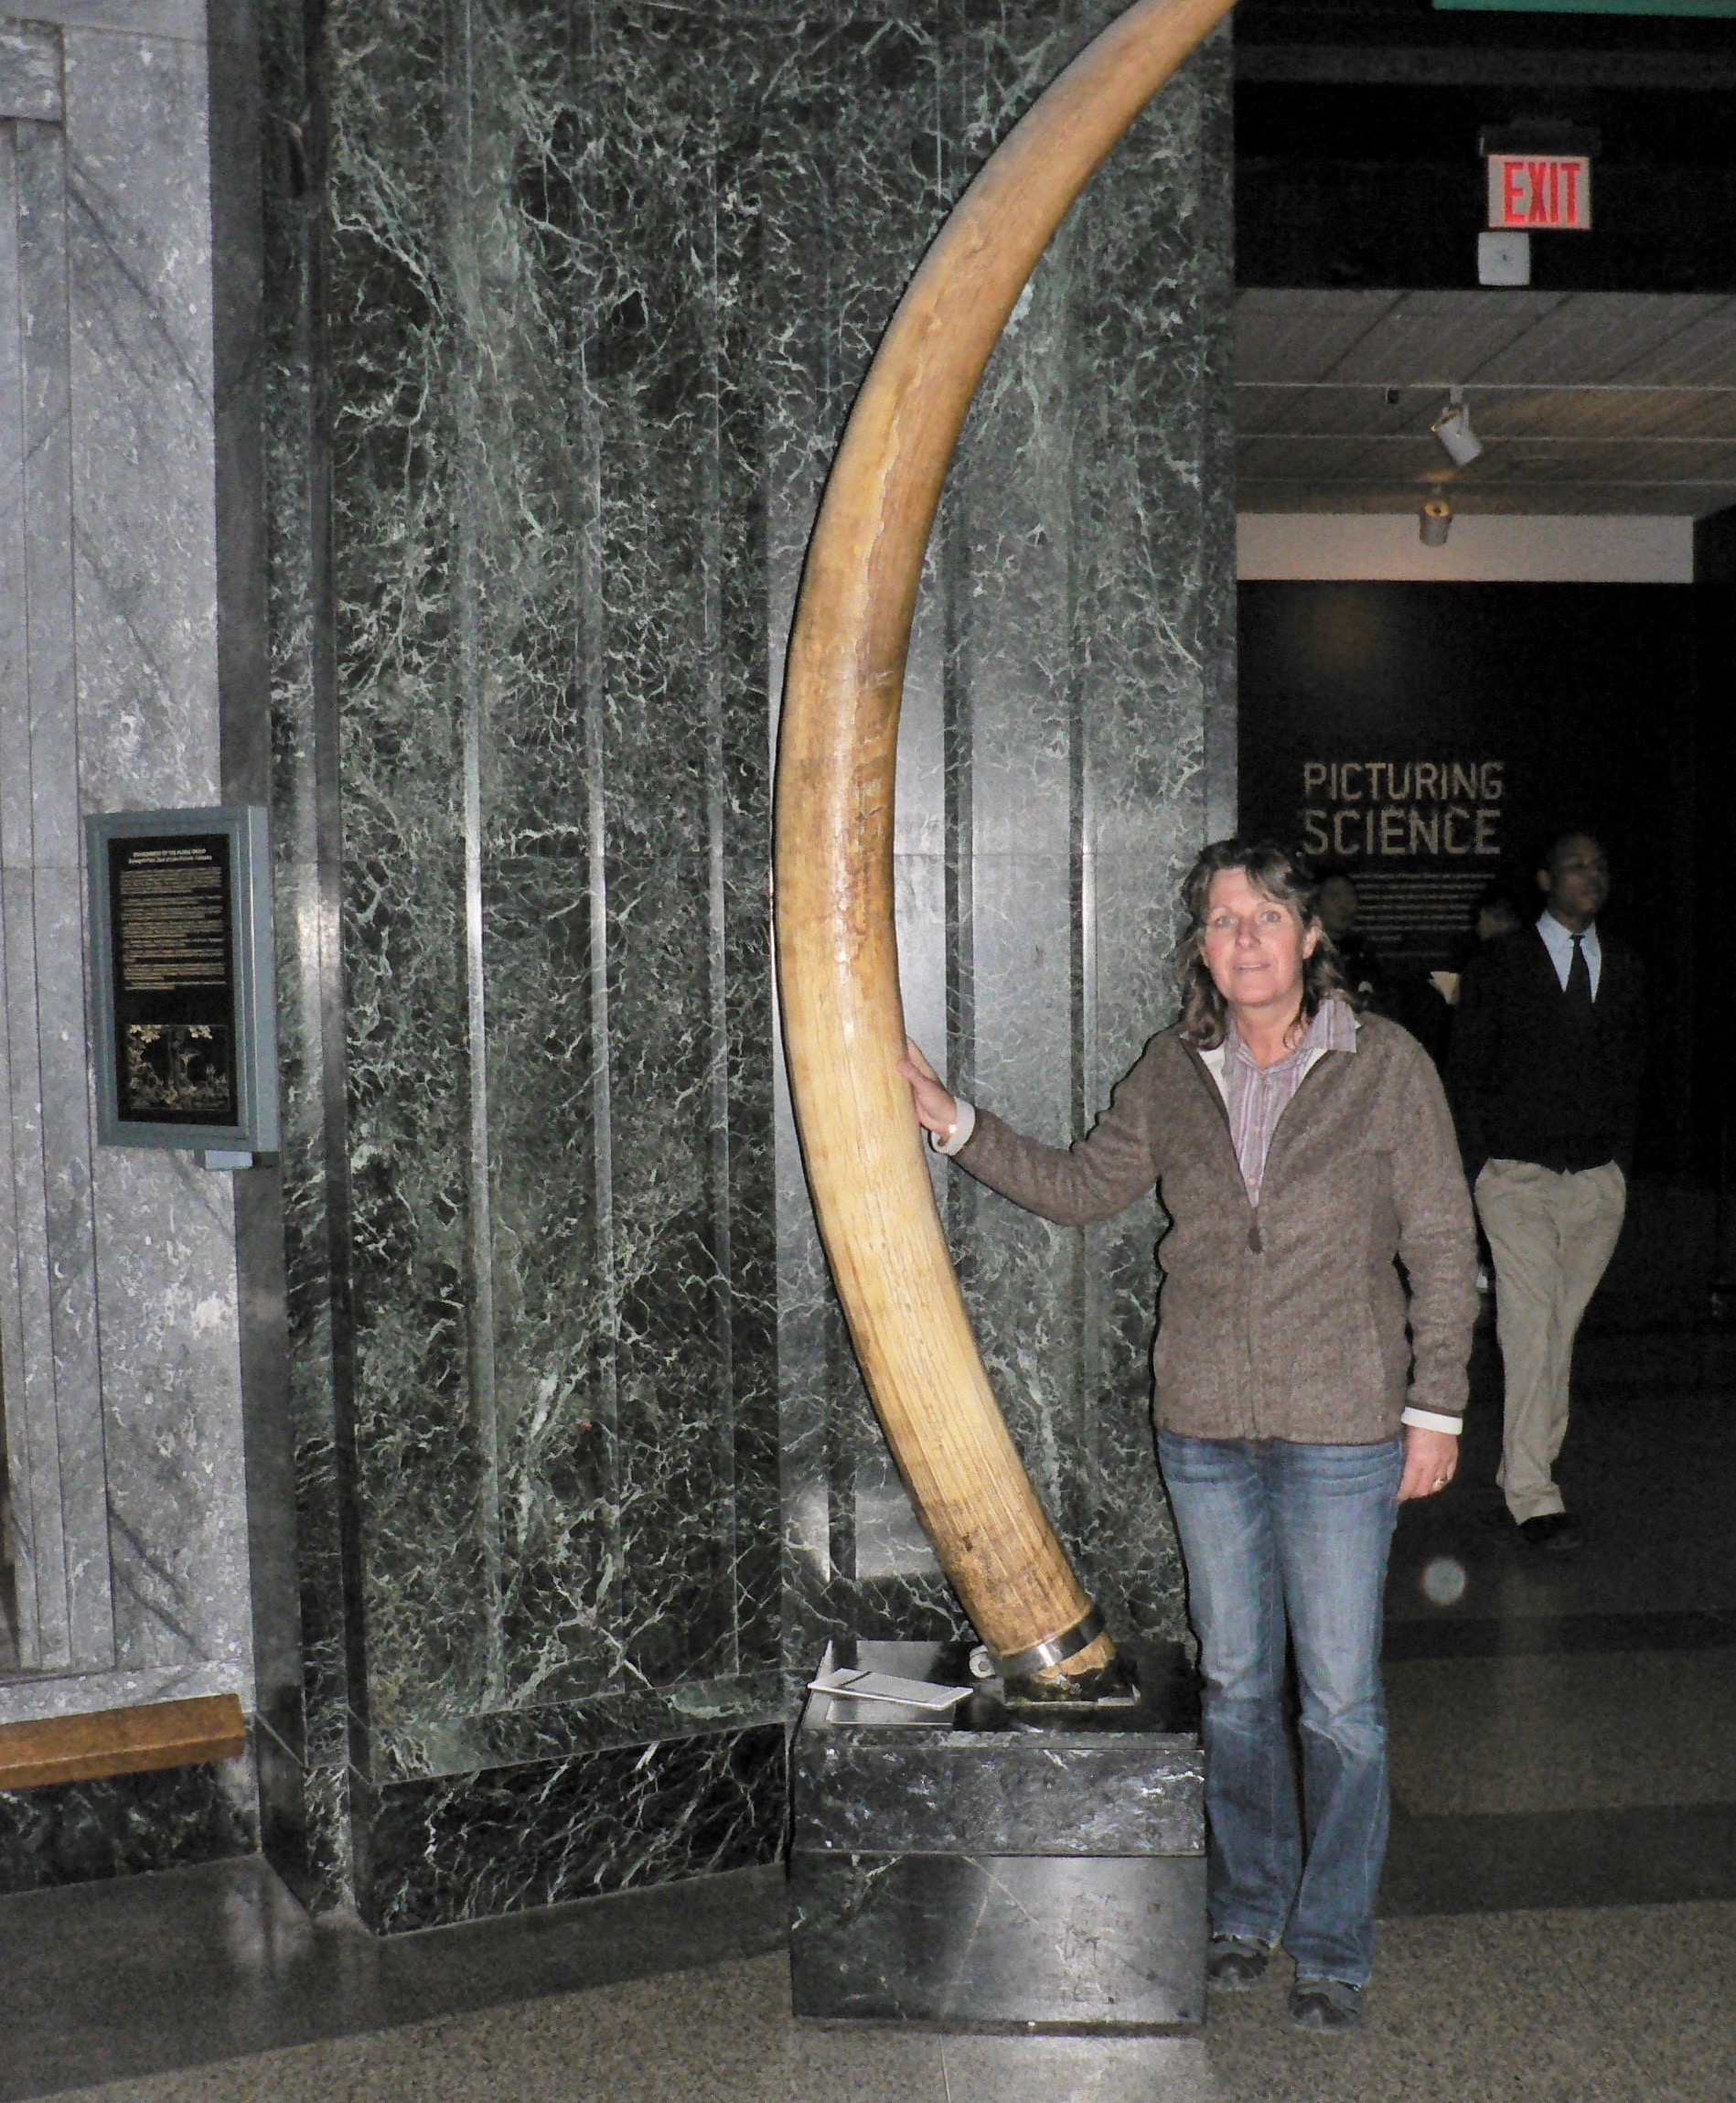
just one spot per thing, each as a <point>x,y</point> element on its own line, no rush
<point>1552,1235</point>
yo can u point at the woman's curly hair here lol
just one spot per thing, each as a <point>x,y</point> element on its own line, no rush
<point>1287,880</point>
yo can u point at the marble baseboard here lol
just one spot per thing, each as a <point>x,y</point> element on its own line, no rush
<point>87,1832</point>
<point>306,1832</point>
<point>303,1822</point>
<point>508,1839</point>
<point>417,1749</point>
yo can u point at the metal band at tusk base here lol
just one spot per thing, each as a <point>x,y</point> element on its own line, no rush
<point>1056,1651</point>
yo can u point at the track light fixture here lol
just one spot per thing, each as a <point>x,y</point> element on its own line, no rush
<point>1435,522</point>
<point>1452,427</point>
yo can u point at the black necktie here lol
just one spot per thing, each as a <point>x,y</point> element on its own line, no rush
<point>1579,980</point>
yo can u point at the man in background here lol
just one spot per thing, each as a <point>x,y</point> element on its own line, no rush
<point>1544,1076</point>
<point>1391,989</point>
<point>1496,914</point>
<point>1340,909</point>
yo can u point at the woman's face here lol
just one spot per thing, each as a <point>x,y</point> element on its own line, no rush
<point>1254,946</point>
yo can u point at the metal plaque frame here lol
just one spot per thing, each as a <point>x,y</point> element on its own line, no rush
<point>255,1128</point>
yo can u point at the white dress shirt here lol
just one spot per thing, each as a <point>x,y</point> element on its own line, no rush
<point>1558,942</point>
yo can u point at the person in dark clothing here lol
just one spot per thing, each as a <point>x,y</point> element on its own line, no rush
<point>1340,909</point>
<point>1396,990</point>
<point>1544,1078</point>
<point>1496,913</point>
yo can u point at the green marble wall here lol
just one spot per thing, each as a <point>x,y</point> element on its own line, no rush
<point>565,306</point>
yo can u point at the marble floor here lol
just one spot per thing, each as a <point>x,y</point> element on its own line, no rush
<point>1600,2007</point>
<point>1560,1907</point>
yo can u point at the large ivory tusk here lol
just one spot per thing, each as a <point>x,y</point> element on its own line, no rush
<point>838,965</point>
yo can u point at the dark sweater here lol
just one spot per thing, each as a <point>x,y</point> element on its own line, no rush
<point>1530,1080</point>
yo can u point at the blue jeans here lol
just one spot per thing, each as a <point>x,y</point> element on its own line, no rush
<point>1272,1532</point>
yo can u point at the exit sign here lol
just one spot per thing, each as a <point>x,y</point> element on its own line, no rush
<point>1540,192</point>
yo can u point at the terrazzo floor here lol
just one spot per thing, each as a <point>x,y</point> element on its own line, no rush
<point>1559,1908</point>
<point>1547,2007</point>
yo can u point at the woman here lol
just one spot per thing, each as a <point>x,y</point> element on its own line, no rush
<point>1300,1151</point>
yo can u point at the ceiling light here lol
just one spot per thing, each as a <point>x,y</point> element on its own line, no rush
<point>1452,427</point>
<point>1435,522</point>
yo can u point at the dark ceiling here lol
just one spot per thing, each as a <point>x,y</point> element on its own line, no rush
<point>1358,129</point>
<point>1608,385</point>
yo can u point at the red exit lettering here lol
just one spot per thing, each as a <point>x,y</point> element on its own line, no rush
<point>1552,192</point>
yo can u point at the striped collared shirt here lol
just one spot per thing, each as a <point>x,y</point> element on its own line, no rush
<point>1256,1096</point>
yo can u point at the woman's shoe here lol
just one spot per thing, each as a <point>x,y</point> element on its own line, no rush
<point>1235,1962</point>
<point>1326,2004</point>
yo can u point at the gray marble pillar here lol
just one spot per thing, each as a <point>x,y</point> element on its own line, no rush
<point>120,1326</point>
<point>118,1322</point>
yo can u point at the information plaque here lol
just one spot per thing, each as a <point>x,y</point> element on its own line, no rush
<point>180,919</point>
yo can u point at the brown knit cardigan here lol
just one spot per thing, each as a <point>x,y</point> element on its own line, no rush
<point>1288,1320</point>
